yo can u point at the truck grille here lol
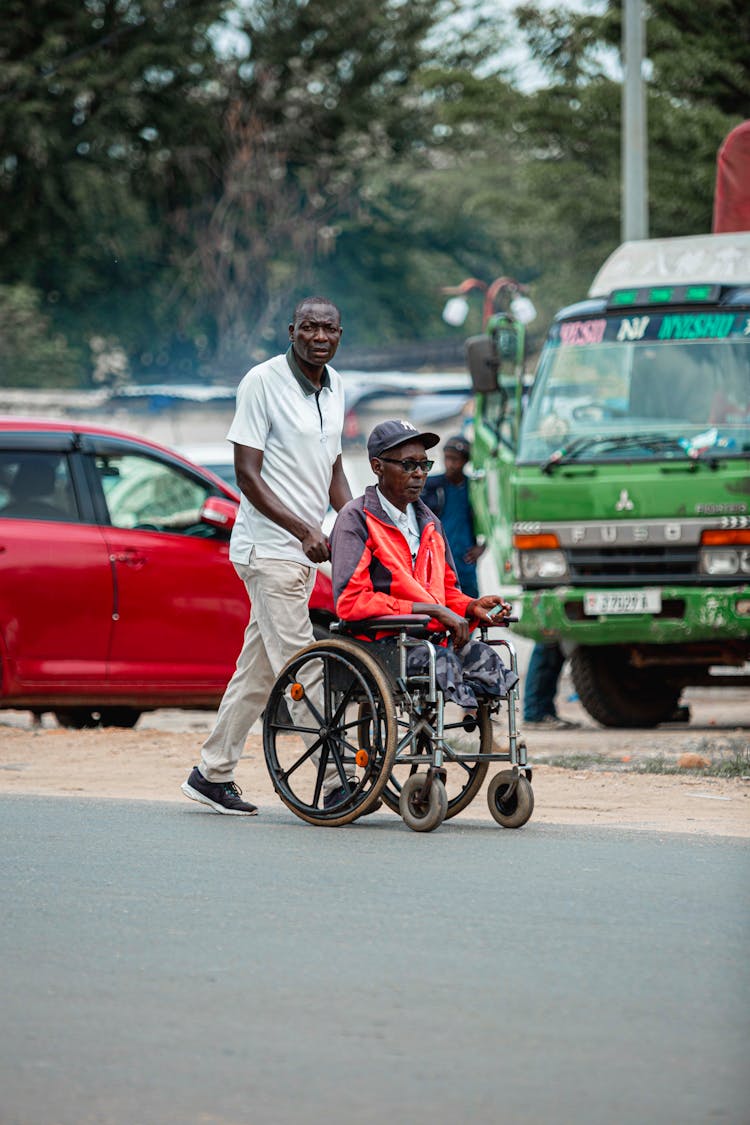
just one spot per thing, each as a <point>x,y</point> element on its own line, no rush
<point>603,566</point>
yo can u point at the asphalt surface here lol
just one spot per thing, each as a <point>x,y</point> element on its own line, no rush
<point>161,964</point>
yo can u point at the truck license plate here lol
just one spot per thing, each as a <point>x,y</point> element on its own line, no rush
<point>622,601</point>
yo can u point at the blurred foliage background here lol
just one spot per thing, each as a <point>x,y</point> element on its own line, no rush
<point>175,174</point>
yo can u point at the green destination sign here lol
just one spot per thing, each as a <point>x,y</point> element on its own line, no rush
<point>644,326</point>
<point>696,326</point>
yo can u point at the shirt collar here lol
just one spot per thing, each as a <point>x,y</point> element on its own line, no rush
<point>409,517</point>
<point>306,385</point>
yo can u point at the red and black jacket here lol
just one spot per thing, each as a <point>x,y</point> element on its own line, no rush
<point>372,564</point>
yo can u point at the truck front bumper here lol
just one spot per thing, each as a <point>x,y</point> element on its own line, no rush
<point>688,614</point>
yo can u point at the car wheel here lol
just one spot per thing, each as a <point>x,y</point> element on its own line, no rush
<point>85,718</point>
<point>77,718</point>
<point>125,717</point>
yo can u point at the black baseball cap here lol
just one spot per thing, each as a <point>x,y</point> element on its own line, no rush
<point>388,435</point>
<point>459,444</point>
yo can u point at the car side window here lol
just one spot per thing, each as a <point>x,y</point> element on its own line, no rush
<point>36,486</point>
<point>143,492</point>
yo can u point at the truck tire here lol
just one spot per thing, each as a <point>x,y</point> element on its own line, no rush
<point>618,695</point>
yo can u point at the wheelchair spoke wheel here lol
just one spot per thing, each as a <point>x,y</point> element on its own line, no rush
<point>464,779</point>
<point>313,736</point>
<point>510,799</point>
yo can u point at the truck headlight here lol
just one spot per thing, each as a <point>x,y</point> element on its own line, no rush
<point>542,564</point>
<point>720,562</point>
<point>725,551</point>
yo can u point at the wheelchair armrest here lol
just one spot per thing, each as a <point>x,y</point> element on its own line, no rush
<point>484,628</point>
<point>411,623</point>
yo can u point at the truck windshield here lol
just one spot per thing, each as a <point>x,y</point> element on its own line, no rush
<point>679,381</point>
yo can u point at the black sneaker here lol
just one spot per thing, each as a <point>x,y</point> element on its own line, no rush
<point>222,796</point>
<point>550,722</point>
<point>338,796</point>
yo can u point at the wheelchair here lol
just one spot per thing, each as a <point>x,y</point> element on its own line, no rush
<point>345,709</point>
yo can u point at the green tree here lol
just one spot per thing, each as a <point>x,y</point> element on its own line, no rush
<point>545,179</point>
<point>107,115</point>
<point>698,90</point>
<point>173,189</point>
<point>326,98</point>
<point>31,353</point>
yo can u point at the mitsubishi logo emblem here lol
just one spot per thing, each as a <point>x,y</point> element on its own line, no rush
<point>624,504</point>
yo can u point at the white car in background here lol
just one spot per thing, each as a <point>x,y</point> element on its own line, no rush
<point>217,456</point>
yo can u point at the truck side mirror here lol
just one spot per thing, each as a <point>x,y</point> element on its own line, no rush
<point>507,343</point>
<point>483,363</point>
<point>508,337</point>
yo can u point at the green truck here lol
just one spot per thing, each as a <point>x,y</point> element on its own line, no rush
<point>617,498</point>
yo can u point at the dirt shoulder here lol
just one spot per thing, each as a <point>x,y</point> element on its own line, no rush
<point>608,781</point>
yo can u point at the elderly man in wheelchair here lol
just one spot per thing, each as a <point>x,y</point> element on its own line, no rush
<point>398,705</point>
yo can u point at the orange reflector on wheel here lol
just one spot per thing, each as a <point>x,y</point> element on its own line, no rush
<point>297,691</point>
<point>362,758</point>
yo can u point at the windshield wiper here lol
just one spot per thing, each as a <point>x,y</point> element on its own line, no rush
<point>654,442</point>
<point>567,452</point>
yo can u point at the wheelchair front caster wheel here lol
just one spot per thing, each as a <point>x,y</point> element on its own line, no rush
<point>510,799</point>
<point>421,812</point>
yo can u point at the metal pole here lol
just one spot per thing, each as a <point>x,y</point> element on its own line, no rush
<point>633,130</point>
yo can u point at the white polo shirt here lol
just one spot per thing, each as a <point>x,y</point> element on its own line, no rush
<point>299,433</point>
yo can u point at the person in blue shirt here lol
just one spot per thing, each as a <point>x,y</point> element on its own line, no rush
<point>447,494</point>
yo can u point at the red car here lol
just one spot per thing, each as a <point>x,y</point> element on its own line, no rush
<point>116,591</point>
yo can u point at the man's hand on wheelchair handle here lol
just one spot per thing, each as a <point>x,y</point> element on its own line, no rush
<point>481,609</point>
<point>316,546</point>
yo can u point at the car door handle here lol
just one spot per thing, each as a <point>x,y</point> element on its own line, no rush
<point>130,558</point>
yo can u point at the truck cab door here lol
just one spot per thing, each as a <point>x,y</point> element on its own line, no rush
<point>493,458</point>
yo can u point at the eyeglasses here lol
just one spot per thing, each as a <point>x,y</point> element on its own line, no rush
<point>409,465</point>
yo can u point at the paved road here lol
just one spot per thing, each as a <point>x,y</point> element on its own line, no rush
<point>163,965</point>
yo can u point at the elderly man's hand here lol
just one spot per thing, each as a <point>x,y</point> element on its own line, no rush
<point>315,545</point>
<point>481,609</point>
<point>458,627</point>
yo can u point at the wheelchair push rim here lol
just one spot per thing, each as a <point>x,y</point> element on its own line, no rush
<point>331,722</point>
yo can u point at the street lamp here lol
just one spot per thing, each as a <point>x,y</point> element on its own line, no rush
<point>457,307</point>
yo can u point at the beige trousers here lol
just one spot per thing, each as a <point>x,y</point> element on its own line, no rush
<point>279,592</point>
